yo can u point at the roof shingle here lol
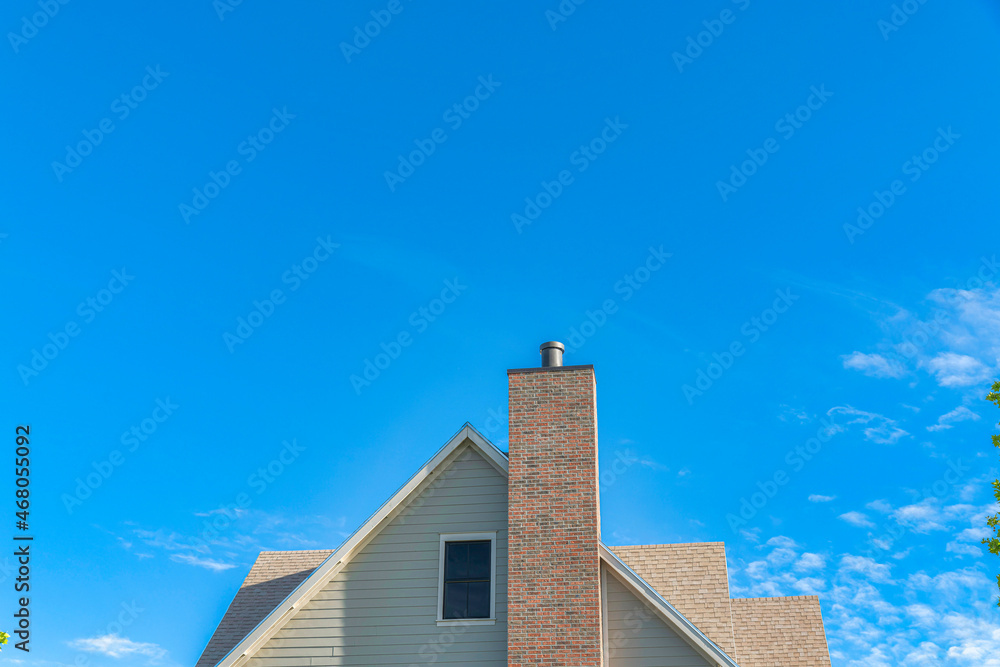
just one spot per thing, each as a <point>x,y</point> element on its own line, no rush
<point>691,577</point>
<point>780,632</point>
<point>273,576</point>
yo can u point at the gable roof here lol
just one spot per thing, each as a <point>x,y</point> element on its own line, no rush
<point>757,632</point>
<point>694,578</point>
<point>273,576</point>
<point>313,582</point>
<point>668,613</point>
<point>280,583</point>
<point>780,632</point>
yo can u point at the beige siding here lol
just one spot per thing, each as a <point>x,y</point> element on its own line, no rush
<point>382,607</point>
<point>637,636</point>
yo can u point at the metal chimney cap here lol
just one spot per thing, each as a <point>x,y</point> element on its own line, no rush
<point>552,353</point>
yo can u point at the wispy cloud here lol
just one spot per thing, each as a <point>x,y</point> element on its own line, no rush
<point>888,609</point>
<point>874,365</point>
<point>207,563</point>
<point>219,544</point>
<point>116,646</point>
<point>817,498</point>
<point>857,519</point>
<point>959,414</point>
<point>957,370</point>
<point>955,343</point>
<point>877,428</point>
<point>790,414</point>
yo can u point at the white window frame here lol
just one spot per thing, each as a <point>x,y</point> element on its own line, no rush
<point>468,537</point>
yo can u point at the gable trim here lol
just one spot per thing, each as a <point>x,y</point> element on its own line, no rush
<point>336,562</point>
<point>667,612</point>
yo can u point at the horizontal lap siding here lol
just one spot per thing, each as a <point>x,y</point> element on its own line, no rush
<point>637,637</point>
<point>382,608</point>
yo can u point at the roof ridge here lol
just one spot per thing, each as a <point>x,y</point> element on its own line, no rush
<point>670,544</point>
<point>782,597</point>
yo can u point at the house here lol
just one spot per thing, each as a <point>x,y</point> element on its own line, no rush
<point>489,558</point>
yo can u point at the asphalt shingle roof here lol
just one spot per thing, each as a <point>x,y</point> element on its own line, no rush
<point>780,632</point>
<point>273,576</point>
<point>693,578</point>
<point>755,632</point>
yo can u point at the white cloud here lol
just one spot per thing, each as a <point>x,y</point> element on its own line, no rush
<point>810,561</point>
<point>116,646</point>
<point>967,542</point>
<point>817,498</point>
<point>922,517</point>
<point>928,605</point>
<point>857,519</point>
<point>961,549</point>
<point>782,542</point>
<point>793,414</point>
<point>810,586</point>
<point>957,370</point>
<point>877,428</point>
<point>955,341</point>
<point>168,540</point>
<point>959,414</point>
<point>880,506</point>
<point>207,563</point>
<point>867,567</point>
<point>629,458</point>
<point>874,365</point>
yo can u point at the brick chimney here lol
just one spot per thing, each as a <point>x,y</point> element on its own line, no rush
<point>553,584</point>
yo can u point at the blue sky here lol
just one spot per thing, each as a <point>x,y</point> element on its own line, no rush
<point>216,215</point>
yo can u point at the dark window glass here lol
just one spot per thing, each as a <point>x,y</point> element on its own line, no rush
<point>467,579</point>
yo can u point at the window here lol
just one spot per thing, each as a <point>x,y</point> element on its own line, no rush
<point>468,575</point>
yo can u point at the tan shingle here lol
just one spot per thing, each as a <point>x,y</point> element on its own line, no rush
<point>273,576</point>
<point>780,632</point>
<point>691,577</point>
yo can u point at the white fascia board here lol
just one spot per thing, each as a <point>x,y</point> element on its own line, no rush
<point>675,619</point>
<point>336,561</point>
